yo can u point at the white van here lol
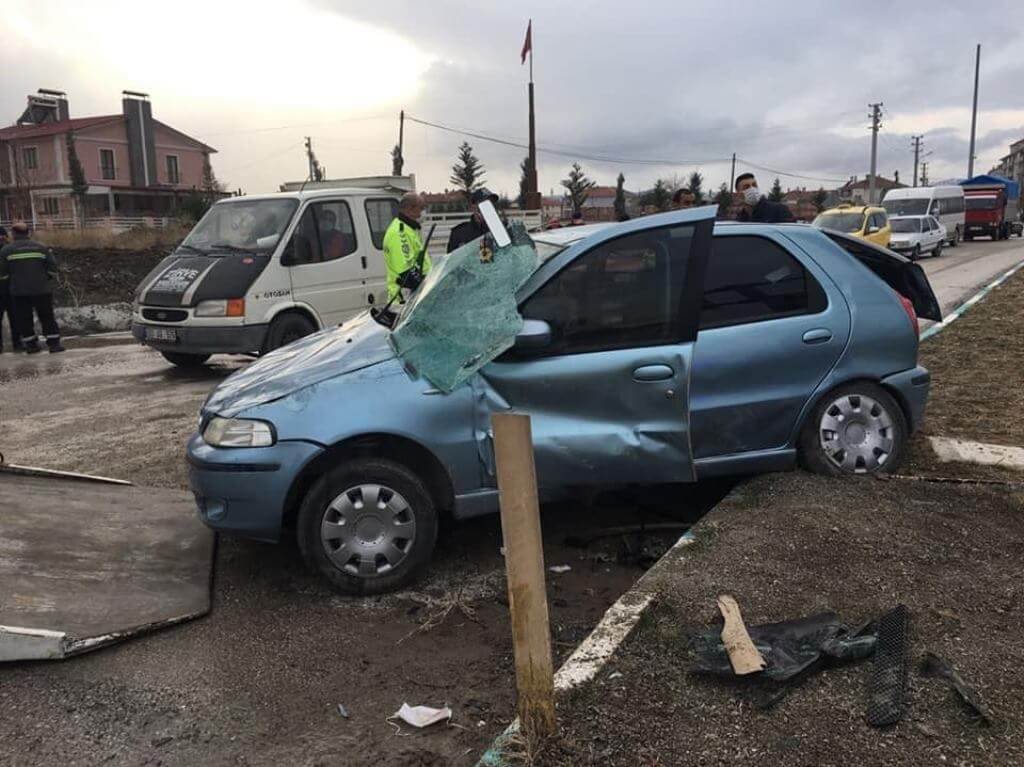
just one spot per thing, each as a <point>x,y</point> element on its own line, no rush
<point>944,203</point>
<point>258,272</point>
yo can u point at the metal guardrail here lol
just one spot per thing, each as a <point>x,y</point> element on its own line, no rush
<point>113,223</point>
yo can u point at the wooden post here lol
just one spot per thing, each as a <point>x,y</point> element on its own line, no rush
<point>524,565</point>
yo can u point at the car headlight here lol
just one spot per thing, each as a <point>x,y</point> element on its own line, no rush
<point>238,432</point>
<point>230,307</point>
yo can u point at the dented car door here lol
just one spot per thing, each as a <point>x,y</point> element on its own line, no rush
<point>608,393</point>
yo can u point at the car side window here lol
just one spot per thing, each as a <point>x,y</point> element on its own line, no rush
<point>335,228</point>
<point>622,293</point>
<point>752,279</point>
<point>380,213</point>
<point>306,240</point>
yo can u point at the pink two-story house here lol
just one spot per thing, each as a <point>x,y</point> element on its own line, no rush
<point>134,165</point>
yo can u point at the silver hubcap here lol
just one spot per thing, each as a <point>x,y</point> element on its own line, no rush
<point>368,530</point>
<point>857,434</point>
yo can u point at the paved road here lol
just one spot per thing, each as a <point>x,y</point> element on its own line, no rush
<point>960,272</point>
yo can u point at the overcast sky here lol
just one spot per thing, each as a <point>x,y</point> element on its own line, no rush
<point>684,84</point>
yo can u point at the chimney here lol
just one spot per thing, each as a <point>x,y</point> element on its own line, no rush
<point>47,106</point>
<point>138,120</point>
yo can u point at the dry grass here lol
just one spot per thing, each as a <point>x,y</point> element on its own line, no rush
<point>137,238</point>
<point>439,606</point>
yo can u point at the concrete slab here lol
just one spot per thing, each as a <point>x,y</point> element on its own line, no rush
<point>965,451</point>
<point>85,564</point>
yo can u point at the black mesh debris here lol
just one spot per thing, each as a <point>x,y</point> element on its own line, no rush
<point>887,684</point>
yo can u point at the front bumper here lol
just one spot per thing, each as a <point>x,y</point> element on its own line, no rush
<point>243,490</point>
<point>912,387</point>
<point>205,339</point>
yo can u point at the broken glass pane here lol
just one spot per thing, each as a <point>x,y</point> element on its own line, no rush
<point>465,314</point>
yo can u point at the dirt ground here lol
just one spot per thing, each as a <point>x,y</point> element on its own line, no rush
<point>977,364</point>
<point>258,681</point>
<point>787,546</point>
<point>102,275</point>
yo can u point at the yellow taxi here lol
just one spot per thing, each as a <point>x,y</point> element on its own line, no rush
<point>866,221</point>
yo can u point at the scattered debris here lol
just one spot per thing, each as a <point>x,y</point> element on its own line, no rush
<point>422,716</point>
<point>743,655</point>
<point>615,675</point>
<point>933,665</point>
<point>559,569</point>
<point>887,685</point>
<point>583,539</point>
<point>342,711</point>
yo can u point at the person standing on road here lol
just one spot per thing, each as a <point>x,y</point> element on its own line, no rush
<point>683,199</point>
<point>468,231</point>
<point>7,307</point>
<point>757,207</point>
<point>28,268</point>
<point>404,257</point>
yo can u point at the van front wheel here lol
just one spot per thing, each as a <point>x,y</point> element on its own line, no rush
<point>286,328</point>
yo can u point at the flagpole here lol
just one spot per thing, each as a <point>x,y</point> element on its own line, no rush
<point>533,201</point>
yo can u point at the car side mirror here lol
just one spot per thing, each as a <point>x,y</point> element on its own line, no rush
<point>534,335</point>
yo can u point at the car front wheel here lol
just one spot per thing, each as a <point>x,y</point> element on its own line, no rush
<point>368,526</point>
<point>855,429</point>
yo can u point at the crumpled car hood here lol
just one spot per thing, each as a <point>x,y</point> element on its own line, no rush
<point>359,343</point>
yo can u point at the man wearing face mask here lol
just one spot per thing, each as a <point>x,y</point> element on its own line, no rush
<point>756,207</point>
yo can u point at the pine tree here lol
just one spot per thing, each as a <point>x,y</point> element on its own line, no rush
<point>79,185</point>
<point>696,186</point>
<point>819,199</point>
<point>621,214</point>
<point>723,198</point>
<point>521,199</point>
<point>578,188</point>
<point>397,161</point>
<point>467,173</point>
<point>776,194</point>
<point>661,197</point>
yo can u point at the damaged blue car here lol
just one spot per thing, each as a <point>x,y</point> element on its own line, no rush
<point>666,349</point>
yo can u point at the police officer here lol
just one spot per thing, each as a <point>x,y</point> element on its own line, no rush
<point>404,258</point>
<point>7,307</point>
<point>757,207</point>
<point>468,231</point>
<point>29,268</point>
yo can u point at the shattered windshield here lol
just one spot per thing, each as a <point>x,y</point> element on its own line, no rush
<point>465,313</point>
<point>252,225</point>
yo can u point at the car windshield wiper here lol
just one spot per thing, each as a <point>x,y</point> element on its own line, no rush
<point>193,248</point>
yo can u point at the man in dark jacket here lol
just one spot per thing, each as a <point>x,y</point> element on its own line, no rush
<point>7,307</point>
<point>28,269</point>
<point>468,231</point>
<point>757,207</point>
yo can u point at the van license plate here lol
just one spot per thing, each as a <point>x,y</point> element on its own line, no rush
<point>167,335</point>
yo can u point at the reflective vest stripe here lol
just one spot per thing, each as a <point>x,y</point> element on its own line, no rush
<point>25,256</point>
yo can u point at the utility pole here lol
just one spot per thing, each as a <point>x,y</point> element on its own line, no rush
<point>917,154</point>
<point>732,174</point>
<point>974,112</point>
<point>924,173</point>
<point>401,143</point>
<point>876,123</point>
<point>309,157</point>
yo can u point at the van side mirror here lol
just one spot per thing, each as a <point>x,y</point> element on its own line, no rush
<point>534,335</point>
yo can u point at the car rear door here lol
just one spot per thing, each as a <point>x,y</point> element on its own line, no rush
<point>772,327</point>
<point>324,263</point>
<point>609,396</point>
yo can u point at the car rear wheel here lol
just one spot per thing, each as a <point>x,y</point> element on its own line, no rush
<point>855,429</point>
<point>188,361</point>
<point>915,253</point>
<point>956,238</point>
<point>368,526</point>
<point>938,250</point>
<point>287,328</point>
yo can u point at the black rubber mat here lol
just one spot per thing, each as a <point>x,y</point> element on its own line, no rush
<point>887,685</point>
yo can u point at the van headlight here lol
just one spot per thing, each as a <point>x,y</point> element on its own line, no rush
<point>238,432</point>
<point>231,307</point>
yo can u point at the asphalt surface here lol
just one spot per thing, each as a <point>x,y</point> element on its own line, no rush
<point>961,271</point>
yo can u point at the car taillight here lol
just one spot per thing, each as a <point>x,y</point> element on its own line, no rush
<point>908,307</point>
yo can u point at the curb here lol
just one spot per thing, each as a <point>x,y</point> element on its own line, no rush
<point>596,650</point>
<point>957,313</point>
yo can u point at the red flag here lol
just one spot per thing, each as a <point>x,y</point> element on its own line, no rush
<point>528,42</point>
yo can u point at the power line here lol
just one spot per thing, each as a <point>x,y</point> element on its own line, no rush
<point>787,174</point>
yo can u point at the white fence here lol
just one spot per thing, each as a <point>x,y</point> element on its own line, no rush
<point>445,222</point>
<point>111,223</point>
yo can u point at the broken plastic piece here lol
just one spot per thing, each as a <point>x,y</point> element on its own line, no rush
<point>560,568</point>
<point>422,716</point>
<point>933,665</point>
<point>342,711</point>
<point>887,685</point>
<point>465,313</point>
<point>743,656</point>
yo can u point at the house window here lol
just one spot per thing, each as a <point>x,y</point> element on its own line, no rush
<point>107,170</point>
<point>30,158</point>
<point>51,206</point>
<point>173,176</point>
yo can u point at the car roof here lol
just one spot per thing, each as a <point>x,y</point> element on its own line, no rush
<point>309,194</point>
<point>566,236</point>
<point>854,209</point>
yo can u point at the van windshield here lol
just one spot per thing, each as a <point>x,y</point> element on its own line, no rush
<point>903,225</point>
<point>909,207</point>
<point>840,222</point>
<point>251,225</point>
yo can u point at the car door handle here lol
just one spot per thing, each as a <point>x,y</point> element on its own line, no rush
<point>817,336</point>
<point>653,373</point>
